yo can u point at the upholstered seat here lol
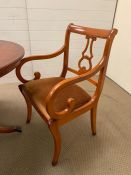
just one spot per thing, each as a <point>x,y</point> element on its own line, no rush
<point>37,90</point>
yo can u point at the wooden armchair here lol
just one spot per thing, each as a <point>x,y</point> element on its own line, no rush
<point>58,100</point>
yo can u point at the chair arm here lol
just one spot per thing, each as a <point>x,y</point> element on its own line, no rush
<point>37,75</point>
<point>70,101</point>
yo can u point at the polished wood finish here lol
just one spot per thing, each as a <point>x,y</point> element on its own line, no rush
<point>55,119</point>
<point>9,129</point>
<point>10,56</point>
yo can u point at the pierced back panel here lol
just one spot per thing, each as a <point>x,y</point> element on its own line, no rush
<point>91,36</point>
<point>85,56</point>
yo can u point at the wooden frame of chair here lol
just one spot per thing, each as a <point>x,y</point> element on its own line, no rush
<point>57,119</point>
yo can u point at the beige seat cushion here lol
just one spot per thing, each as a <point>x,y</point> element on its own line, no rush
<point>37,90</point>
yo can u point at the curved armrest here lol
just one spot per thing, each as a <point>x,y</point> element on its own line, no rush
<point>70,101</point>
<point>36,57</point>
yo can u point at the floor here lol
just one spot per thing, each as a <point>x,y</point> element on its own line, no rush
<point>30,152</point>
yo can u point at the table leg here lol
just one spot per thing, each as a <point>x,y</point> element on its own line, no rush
<point>9,129</point>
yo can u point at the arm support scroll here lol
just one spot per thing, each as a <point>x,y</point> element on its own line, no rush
<point>70,101</point>
<point>36,57</point>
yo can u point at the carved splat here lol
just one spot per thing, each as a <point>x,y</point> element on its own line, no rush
<point>84,56</point>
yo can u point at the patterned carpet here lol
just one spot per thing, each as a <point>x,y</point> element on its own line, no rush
<point>30,152</point>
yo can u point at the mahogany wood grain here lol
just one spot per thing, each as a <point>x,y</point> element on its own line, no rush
<point>10,56</point>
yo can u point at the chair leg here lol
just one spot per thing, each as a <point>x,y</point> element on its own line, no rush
<point>57,142</point>
<point>29,111</point>
<point>29,105</point>
<point>29,108</point>
<point>93,120</point>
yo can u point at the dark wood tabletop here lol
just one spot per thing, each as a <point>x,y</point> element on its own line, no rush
<point>10,56</point>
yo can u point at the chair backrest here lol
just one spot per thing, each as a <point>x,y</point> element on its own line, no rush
<point>91,35</point>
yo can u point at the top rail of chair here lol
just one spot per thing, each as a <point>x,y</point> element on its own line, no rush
<point>91,32</point>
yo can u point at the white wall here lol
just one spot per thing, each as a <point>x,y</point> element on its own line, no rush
<point>14,27</point>
<point>119,68</point>
<point>48,21</point>
<point>40,27</point>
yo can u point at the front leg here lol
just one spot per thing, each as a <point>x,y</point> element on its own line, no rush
<point>57,141</point>
<point>28,103</point>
